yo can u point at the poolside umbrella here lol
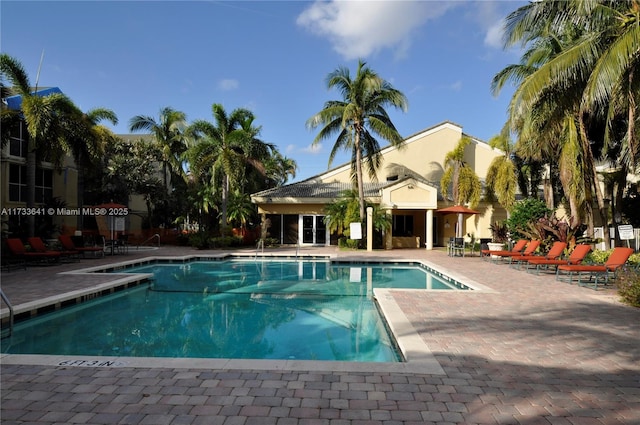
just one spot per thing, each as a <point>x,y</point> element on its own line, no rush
<point>110,206</point>
<point>461,210</point>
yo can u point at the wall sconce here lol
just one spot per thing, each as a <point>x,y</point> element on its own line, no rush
<point>446,224</point>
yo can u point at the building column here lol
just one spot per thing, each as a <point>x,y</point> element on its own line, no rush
<point>429,226</point>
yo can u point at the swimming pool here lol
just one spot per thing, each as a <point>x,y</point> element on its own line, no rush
<point>310,310</point>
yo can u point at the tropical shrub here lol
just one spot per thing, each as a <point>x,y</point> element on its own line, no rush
<point>499,232</point>
<point>226,241</point>
<point>271,242</point>
<point>628,283</point>
<point>524,213</point>
<point>200,240</point>
<point>551,229</point>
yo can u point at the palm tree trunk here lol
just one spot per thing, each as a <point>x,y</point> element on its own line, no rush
<point>31,185</point>
<point>594,184</point>
<point>80,190</point>
<point>225,200</point>
<point>359,178</point>
<point>631,124</point>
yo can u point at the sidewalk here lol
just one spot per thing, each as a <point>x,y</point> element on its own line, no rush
<point>531,351</point>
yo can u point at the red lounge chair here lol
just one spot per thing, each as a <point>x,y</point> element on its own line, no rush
<point>528,251</point>
<point>554,253</point>
<point>576,257</point>
<point>38,246</point>
<point>17,248</point>
<point>618,257</point>
<point>518,247</point>
<point>67,243</point>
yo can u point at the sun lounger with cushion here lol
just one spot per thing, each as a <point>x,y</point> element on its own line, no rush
<point>531,247</point>
<point>554,253</point>
<point>38,246</point>
<point>67,243</point>
<point>18,250</point>
<point>576,257</point>
<point>518,247</point>
<point>617,259</point>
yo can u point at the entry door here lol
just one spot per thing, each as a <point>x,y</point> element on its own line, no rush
<point>314,231</point>
<point>307,229</point>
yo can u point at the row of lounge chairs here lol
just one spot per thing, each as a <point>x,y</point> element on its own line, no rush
<point>522,255</point>
<point>39,253</point>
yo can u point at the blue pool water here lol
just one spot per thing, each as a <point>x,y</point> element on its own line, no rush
<point>310,310</point>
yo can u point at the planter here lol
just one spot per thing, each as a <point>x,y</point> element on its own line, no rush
<point>495,246</point>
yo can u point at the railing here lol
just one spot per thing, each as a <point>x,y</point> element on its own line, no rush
<point>157,235</point>
<point>8,303</point>
<point>259,246</point>
<point>634,243</point>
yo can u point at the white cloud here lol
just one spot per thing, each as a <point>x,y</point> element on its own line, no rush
<point>313,149</point>
<point>291,148</point>
<point>457,86</point>
<point>357,29</point>
<point>489,16</point>
<point>228,84</point>
<point>493,37</point>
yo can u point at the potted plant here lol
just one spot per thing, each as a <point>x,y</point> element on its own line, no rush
<point>499,234</point>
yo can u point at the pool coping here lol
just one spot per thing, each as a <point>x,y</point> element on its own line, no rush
<point>417,355</point>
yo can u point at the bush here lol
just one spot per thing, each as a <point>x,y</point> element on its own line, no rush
<point>271,242</point>
<point>226,241</point>
<point>628,282</point>
<point>524,213</point>
<point>346,243</point>
<point>199,240</point>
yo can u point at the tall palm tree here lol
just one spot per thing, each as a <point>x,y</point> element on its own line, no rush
<point>590,80</point>
<point>464,182</point>
<point>169,133</point>
<point>87,143</point>
<point>45,117</point>
<point>223,150</point>
<point>502,175</point>
<point>358,118</point>
<point>279,168</point>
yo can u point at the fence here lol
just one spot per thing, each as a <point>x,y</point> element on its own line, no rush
<point>634,243</point>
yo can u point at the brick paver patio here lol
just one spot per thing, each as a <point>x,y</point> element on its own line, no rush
<point>529,351</point>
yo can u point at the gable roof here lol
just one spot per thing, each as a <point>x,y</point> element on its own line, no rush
<point>314,189</point>
<point>310,189</point>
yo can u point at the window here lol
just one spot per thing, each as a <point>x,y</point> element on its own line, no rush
<point>403,225</point>
<point>18,141</point>
<point>18,184</point>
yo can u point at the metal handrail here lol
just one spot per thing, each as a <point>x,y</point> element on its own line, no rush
<point>8,303</point>
<point>258,246</point>
<point>157,235</point>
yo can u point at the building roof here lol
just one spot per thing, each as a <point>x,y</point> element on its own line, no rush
<point>314,189</point>
<point>15,102</point>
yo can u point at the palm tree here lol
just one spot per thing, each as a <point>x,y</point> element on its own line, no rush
<point>591,79</point>
<point>169,134</point>
<point>278,168</point>
<point>465,184</point>
<point>87,142</point>
<point>357,119</point>
<point>502,175</point>
<point>45,117</point>
<point>223,150</point>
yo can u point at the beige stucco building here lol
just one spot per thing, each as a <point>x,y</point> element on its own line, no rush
<point>407,188</point>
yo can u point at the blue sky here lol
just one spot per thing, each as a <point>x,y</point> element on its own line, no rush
<point>272,57</point>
